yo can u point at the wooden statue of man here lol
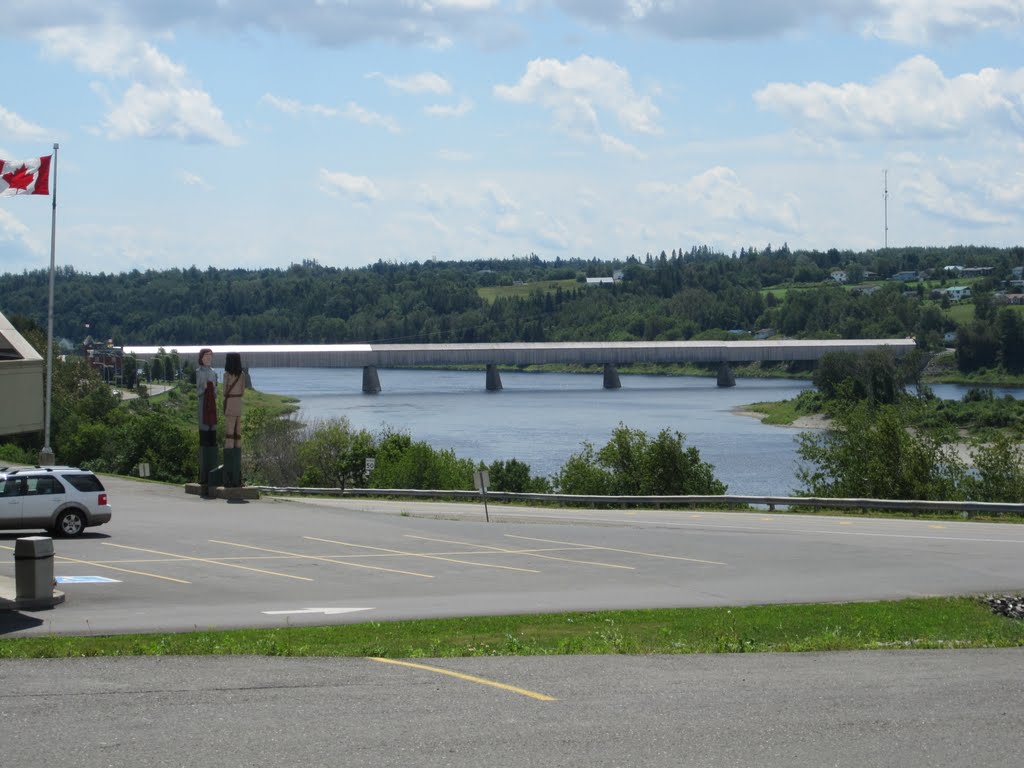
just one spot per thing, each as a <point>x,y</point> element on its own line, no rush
<point>206,388</point>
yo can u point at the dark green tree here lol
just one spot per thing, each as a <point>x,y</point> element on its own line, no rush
<point>513,476</point>
<point>634,464</point>
<point>1011,340</point>
<point>869,451</point>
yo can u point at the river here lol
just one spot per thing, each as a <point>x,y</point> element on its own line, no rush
<point>543,418</point>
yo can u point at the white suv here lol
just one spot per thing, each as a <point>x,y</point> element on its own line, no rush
<point>63,500</point>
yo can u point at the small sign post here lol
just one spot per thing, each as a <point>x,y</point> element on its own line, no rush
<point>481,478</point>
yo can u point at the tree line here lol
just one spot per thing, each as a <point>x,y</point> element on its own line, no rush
<point>696,294</point>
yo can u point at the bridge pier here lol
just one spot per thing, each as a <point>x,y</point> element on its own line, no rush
<point>493,378</point>
<point>371,382</point>
<point>611,377</point>
<point>725,377</point>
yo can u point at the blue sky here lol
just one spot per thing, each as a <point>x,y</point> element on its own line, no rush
<point>258,133</point>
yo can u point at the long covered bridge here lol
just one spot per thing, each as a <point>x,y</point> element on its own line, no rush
<point>610,355</point>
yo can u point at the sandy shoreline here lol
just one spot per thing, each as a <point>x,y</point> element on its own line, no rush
<point>819,421</point>
<point>813,421</point>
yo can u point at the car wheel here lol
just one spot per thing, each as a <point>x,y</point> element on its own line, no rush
<point>71,523</point>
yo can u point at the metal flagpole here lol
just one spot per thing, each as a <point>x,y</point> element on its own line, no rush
<point>46,455</point>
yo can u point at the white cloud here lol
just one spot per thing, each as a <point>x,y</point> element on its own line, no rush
<point>424,82</point>
<point>16,127</point>
<point>159,102</point>
<point>970,192</point>
<point>334,23</point>
<point>193,180</point>
<point>920,21</point>
<point>186,114</point>
<point>352,111</point>
<point>934,197</point>
<point>450,110</point>
<point>905,21</point>
<point>438,24</point>
<point>358,188</point>
<point>496,199</point>
<point>915,100</point>
<point>294,107</point>
<point>12,230</point>
<point>367,117</point>
<point>578,92</point>
<point>718,196</point>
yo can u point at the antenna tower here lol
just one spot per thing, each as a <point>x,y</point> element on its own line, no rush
<point>885,205</point>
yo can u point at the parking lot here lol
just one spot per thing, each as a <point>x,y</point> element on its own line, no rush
<point>171,561</point>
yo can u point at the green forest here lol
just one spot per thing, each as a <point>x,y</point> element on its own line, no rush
<point>697,294</point>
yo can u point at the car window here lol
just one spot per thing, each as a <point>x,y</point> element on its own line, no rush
<point>48,485</point>
<point>42,486</point>
<point>9,486</point>
<point>85,483</point>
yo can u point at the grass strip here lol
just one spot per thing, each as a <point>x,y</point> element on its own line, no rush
<point>965,622</point>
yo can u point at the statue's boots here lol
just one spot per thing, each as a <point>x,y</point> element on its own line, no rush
<point>233,467</point>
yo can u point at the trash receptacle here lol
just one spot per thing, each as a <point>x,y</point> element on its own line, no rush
<point>33,568</point>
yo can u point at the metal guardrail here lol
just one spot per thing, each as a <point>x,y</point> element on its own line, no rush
<point>916,506</point>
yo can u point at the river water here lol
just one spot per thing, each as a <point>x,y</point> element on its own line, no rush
<point>543,418</point>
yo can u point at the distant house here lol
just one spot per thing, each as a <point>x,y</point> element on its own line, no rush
<point>617,277</point>
<point>838,276</point>
<point>1017,299</point>
<point>905,276</point>
<point>975,271</point>
<point>1017,272</point>
<point>957,292</point>
<point>764,333</point>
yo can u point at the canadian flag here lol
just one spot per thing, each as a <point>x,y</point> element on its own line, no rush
<point>27,177</point>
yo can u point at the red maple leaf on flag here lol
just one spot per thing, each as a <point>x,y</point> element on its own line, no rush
<point>20,179</point>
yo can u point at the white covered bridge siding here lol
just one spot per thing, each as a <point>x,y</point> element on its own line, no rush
<point>372,357</point>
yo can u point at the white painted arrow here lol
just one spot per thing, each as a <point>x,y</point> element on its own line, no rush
<point>325,611</point>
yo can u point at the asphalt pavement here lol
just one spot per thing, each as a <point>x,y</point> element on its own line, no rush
<point>169,561</point>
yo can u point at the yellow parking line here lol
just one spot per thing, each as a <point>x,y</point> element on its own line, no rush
<point>415,554</point>
<point>207,560</point>
<point>612,549</point>
<point>323,559</point>
<point>530,553</point>
<point>470,678</point>
<point>113,568</point>
<point>122,570</point>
